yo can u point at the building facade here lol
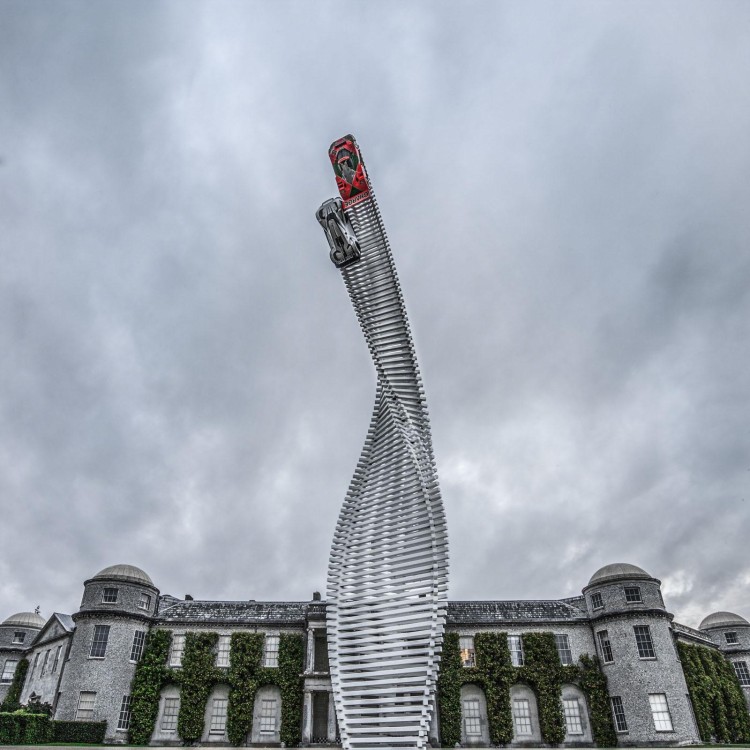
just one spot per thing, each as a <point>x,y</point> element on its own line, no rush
<point>83,665</point>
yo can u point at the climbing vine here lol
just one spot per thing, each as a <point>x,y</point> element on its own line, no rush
<point>247,675</point>
<point>718,702</point>
<point>542,671</point>
<point>545,675</point>
<point>245,657</point>
<point>151,675</point>
<point>449,691</point>
<point>13,696</point>
<point>493,660</point>
<point>199,675</point>
<point>594,686</point>
<point>196,678</point>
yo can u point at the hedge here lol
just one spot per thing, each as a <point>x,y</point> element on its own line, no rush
<point>21,728</point>
<point>79,731</point>
<point>24,728</point>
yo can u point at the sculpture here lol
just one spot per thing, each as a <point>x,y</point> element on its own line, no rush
<point>388,571</point>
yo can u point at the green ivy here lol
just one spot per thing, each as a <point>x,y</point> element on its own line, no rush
<point>718,701</point>
<point>247,675</point>
<point>13,697</point>
<point>196,678</point>
<point>199,675</point>
<point>542,671</point>
<point>594,685</point>
<point>545,675</point>
<point>245,655</point>
<point>493,660</point>
<point>449,691</point>
<point>151,675</point>
<point>290,682</point>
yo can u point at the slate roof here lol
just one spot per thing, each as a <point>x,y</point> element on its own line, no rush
<point>479,613</point>
<point>265,613</point>
<point>692,633</point>
<point>66,621</point>
<point>173,610</point>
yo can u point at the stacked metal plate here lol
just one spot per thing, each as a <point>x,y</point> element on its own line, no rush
<point>387,576</point>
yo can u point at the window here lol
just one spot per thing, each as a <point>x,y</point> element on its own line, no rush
<point>219,716</point>
<point>605,646</point>
<point>268,716</point>
<point>123,721</point>
<point>109,596</point>
<point>516,650</point>
<point>33,666</point>
<point>472,725</point>
<point>169,717</point>
<point>145,601</point>
<point>136,650</point>
<point>99,644</point>
<point>320,655</point>
<point>572,710</point>
<point>660,712</point>
<point>271,651</point>
<point>177,649</point>
<point>44,663</point>
<point>633,594</point>
<point>643,641</point>
<point>468,657</point>
<point>19,636</point>
<point>732,639</point>
<point>521,716</point>
<point>9,670</point>
<point>618,713</point>
<point>563,648</point>
<point>596,601</point>
<point>85,710</point>
<point>57,659</point>
<point>222,655</point>
<point>743,675</point>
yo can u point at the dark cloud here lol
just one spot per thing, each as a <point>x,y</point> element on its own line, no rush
<point>183,386</point>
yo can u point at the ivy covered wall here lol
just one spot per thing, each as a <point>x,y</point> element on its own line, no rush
<point>12,698</point>
<point>718,702</point>
<point>199,675</point>
<point>542,672</point>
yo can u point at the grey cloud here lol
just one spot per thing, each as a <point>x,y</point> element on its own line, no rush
<point>183,385</point>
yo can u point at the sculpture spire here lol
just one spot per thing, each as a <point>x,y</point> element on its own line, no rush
<point>388,570</point>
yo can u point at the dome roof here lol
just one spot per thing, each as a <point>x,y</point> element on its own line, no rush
<point>25,620</point>
<point>615,571</point>
<point>125,573</point>
<point>722,620</point>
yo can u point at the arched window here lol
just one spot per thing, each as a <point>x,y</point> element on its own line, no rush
<point>267,715</point>
<point>474,728</point>
<point>577,725</point>
<point>215,719</point>
<point>525,714</point>
<point>169,709</point>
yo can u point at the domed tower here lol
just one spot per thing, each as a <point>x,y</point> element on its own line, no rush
<point>17,633</point>
<point>117,610</point>
<point>731,633</point>
<point>633,636</point>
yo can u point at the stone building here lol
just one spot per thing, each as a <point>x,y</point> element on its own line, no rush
<point>83,665</point>
<point>731,634</point>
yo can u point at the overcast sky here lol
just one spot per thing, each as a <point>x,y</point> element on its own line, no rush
<point>183,385</point>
